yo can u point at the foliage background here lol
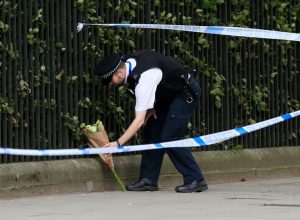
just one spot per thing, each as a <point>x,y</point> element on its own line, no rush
<point>47,89</point>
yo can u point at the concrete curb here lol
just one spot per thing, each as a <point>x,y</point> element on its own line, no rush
<point>88,174</point>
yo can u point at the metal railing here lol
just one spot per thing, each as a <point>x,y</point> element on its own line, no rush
<point>45,68</point>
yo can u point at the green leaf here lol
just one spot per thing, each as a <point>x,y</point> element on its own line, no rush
<point>263,106</point>
<point>218,102</point>
<point>274,74</point>
<point>203,42</point>
<point>238,147</point>
<point>131,43</point>
<point>169,15</point>
<point>236,92</point>
<point>59,75</point>
<point>43,68</point>
<point>119,109</point>
<point>3,26</point>
<point>219,1</point>
<point>217,92</point>
<point>132,13</point>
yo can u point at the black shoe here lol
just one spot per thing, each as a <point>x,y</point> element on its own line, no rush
<point>142,185</point>
<point>195,186</point>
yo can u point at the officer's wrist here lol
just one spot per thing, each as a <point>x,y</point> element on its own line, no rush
<point>118,142</point>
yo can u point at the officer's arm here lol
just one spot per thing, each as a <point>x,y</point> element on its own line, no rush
<point>134,127</point>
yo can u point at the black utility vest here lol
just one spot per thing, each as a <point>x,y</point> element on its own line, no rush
<point>172,71</point>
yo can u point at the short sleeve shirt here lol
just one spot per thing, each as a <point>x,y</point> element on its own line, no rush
<point>146,88</point>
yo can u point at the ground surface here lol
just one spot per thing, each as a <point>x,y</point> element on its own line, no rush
<point>259,199</point>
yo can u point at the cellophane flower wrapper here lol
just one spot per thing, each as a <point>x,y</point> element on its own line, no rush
<point>97,137</point>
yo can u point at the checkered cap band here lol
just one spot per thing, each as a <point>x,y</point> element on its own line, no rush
<point>106,75</point>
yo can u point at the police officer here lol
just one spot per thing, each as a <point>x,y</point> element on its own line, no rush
<point>166,95</point>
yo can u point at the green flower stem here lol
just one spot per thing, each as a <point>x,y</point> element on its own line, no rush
<point>120,182</point>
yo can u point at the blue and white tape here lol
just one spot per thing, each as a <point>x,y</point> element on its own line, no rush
<point>200,141</point>
<point>219,30</point>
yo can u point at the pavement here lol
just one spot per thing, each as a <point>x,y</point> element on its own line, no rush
<point>277,198</point>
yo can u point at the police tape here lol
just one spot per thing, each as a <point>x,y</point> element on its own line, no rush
<point>199,141</point>
<point>219,30</point>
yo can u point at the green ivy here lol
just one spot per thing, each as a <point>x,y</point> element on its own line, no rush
<point>72,122</point>
<point>252,95</point>
<point>5,107</point>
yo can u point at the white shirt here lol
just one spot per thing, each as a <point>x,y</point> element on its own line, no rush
<point>146,88</point>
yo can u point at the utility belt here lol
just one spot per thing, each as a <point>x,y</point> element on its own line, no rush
<point>188,92</point>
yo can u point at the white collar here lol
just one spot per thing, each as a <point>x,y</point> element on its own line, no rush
<point>130,63</point>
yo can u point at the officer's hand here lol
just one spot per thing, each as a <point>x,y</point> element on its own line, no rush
<point>110,144</point>
<point>150,113</point>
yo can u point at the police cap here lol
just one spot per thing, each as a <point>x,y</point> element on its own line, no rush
<point>106,67</point>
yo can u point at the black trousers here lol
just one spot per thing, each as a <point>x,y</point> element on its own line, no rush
<point>171,124</point>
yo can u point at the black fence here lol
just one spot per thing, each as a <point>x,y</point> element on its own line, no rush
<point>47,89</point>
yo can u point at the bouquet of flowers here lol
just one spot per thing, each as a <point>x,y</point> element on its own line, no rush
<point>97,137</point>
